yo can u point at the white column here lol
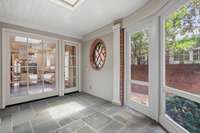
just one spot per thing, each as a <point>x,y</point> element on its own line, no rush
<point>116,64</point>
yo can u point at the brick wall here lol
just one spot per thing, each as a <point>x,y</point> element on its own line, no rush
<point>122,66</point>
<point>184,77</point>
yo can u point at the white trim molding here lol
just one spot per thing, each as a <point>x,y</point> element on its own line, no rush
<point>116,64</point>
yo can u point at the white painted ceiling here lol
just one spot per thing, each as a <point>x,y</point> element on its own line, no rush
<point>44,15</point>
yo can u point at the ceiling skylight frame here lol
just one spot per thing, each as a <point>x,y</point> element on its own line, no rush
<point>67,4</point>
<point>71,4</point>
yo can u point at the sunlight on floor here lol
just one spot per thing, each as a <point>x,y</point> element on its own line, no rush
<point>140,98</point>
<point>65,110</point>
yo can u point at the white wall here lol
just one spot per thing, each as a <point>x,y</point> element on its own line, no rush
<point>101,81</point>
<point>98,83</point>
<point>150,9</point>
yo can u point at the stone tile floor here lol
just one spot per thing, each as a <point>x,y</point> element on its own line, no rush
<point>74,113</point>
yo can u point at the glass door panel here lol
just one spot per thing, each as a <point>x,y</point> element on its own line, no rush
<point>140,94</point>
<point>70,67</point>
<point>139,67</point>
<point>32,65</point>
<point>49,66</point>
<point>18,66</point>
<point>142,68</point>
<point>35,65</point>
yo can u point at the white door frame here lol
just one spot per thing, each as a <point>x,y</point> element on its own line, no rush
<point>151,24</point>
<point>78,70</point>
<point>164,119</point>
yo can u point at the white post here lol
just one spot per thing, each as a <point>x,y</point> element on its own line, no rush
<point>116,64</point>
<point>61,68</point>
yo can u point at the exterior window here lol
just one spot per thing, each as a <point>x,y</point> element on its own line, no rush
<point>98,54</point>
<point>182,66</point>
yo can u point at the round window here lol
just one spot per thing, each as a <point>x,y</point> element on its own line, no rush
<point>98,54</point>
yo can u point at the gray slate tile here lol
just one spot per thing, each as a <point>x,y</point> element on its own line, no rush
<point>97,120</point>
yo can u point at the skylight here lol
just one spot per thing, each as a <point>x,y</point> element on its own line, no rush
<point>70,4</point>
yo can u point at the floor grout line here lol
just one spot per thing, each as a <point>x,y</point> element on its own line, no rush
<point>93,106</point>
<point>90,127</point>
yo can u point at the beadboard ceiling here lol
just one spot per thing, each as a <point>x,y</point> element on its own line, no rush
<point>47,16</point>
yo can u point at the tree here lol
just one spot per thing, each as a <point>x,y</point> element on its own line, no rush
<point>182,26</point>
<point>140,41</point>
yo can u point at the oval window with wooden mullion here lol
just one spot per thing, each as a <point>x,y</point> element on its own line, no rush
<point>98,54</point>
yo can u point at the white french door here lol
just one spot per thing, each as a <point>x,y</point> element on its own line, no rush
<point>142,68</point>
<point>29,67</point>
<point>36,67</point>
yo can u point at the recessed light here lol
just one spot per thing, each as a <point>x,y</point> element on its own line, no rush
<point>70,4</point>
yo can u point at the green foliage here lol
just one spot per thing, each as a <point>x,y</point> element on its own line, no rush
<point>185,112</point>
<point>140,41</point>
<point>183,45</point>
<point>182,22</point>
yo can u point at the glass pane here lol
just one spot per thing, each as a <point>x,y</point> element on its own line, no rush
<point>139,56</point>
<point>185,112</point>
<point>70,77</point>
<point>70,66</point>
<point>17,73</point>
<point>35,80</point>
<point>50,69</point>
<point>183,48</point>
<point>50,54</point>
<point>35,54</point>
<point>18,49</point>
<point>139,94</point>
<point>18,88</point>
<point>49,81</point>
<point>70,55</point>
<point>70,83</point>
<point>35,86</point>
